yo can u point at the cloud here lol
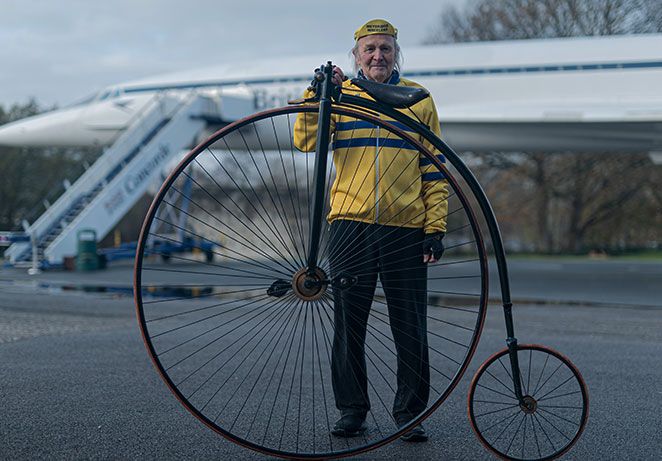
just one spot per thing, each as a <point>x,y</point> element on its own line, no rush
<point>59,51</point>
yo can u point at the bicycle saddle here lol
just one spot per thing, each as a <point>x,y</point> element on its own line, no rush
<point>392,95</point>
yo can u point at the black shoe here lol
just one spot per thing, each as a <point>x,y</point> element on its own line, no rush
<point>417,434</point>
<point>350,425</point>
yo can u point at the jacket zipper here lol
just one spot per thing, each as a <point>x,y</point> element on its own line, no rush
<point>377,177</point>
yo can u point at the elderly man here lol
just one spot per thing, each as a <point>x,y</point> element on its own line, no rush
<point>388,218</point>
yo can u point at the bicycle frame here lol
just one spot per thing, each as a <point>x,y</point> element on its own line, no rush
<point>272,295</point>
<point>326,96</point>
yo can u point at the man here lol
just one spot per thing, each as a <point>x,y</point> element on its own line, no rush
<point>388,218</point>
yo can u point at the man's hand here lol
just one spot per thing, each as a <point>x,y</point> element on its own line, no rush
<point>338,76</point>
<point>433,247</point>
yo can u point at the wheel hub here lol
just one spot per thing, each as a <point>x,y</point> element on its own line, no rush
<point>529,405</point>
<point>309,286</point>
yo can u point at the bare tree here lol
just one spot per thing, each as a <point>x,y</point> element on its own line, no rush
<point>486,20</point>
<point>598,191</point>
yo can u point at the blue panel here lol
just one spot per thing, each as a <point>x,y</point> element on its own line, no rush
<point>360,124</point>
<point>433,176</point>
<point>372,142</point>
<point>426,161</point>
<point>574,67</point>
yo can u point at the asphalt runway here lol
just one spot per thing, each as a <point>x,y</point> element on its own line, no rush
<point>590,282</point>
<point>77,383</point>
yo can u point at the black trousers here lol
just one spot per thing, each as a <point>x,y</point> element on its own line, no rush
<point>395,255</point>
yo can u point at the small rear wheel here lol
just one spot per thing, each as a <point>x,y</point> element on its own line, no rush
<point>553,413</point>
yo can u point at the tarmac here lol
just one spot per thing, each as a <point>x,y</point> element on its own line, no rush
<point>77,382</point>
<point>532,281</point>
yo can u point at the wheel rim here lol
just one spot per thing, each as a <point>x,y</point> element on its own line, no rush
<point>550,420</point>
<point>255,367</point>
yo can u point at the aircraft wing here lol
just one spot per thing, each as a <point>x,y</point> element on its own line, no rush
<point>587,126</point>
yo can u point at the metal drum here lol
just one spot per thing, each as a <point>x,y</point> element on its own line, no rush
<point>87,258</point>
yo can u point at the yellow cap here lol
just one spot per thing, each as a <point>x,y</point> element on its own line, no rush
<point>374,27</point>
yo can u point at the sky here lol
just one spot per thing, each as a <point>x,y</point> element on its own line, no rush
<point>61,51</point>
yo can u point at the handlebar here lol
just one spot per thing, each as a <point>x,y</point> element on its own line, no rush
<point>320,75</point>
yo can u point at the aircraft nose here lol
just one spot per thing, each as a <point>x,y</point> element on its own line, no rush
<point>53,128</point>
<point>13,134</point>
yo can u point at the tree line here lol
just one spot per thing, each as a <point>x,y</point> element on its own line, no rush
<point>565,202</point>
<point>32,178</point>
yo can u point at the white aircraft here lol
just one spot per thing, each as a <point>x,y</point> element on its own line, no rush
<point>578,94</point>
<point>581,95</point>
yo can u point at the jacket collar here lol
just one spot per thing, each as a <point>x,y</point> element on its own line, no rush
<point>394,79</point>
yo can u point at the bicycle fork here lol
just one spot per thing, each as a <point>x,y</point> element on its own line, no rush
<point>323,78</point>
<point>526,403</point>
<point>309,283</point>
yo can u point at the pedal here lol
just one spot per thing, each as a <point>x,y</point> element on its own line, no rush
<point>279,288</point>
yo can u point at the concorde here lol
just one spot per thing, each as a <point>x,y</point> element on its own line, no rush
<point>577,94</point>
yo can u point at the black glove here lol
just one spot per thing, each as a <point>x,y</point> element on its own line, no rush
<point>433,245</point>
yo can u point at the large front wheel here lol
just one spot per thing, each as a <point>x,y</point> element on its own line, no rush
<point>246,339</point>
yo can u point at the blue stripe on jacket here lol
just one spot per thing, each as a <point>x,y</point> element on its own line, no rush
<point>426,161</point>
<point>372,142</point>
<point>433,176</point>
<point>361,124</point>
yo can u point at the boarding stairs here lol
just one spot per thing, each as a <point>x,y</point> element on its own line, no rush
<point>107,190</point>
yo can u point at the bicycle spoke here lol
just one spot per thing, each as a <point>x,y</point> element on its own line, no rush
<point>515,434</point>
<point>370,329</point>
<point>272,325</point>
<point>297,218</point>
<point>280,381</point>
<point>274,370</point>
<point>253,230</point>
<point>368,234</point>
<point>379,397</point>
<point>269,314</point>
<point>535,436</point>
<point>557,387</point>
<point>248,262</point>
<point>286,225</point>
<point>263,212</point>
<point>429,332</point>
<point>510,407</point>
<point>267,347</point>
<point>560,395</point>
<point>200,309</point>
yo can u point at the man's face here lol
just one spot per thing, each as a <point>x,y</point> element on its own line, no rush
<point>376,56</point>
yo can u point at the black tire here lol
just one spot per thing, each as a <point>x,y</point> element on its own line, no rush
<point>255,367</point>
<point>557,398</point>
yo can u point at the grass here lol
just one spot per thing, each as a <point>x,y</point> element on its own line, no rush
<point>644,256</point>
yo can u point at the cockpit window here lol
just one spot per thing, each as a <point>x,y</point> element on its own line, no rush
<point>86,100</point>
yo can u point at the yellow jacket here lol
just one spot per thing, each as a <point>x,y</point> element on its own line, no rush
<point>379,177</point>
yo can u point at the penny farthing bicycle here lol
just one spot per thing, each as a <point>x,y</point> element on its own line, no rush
<point>242,330</point>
